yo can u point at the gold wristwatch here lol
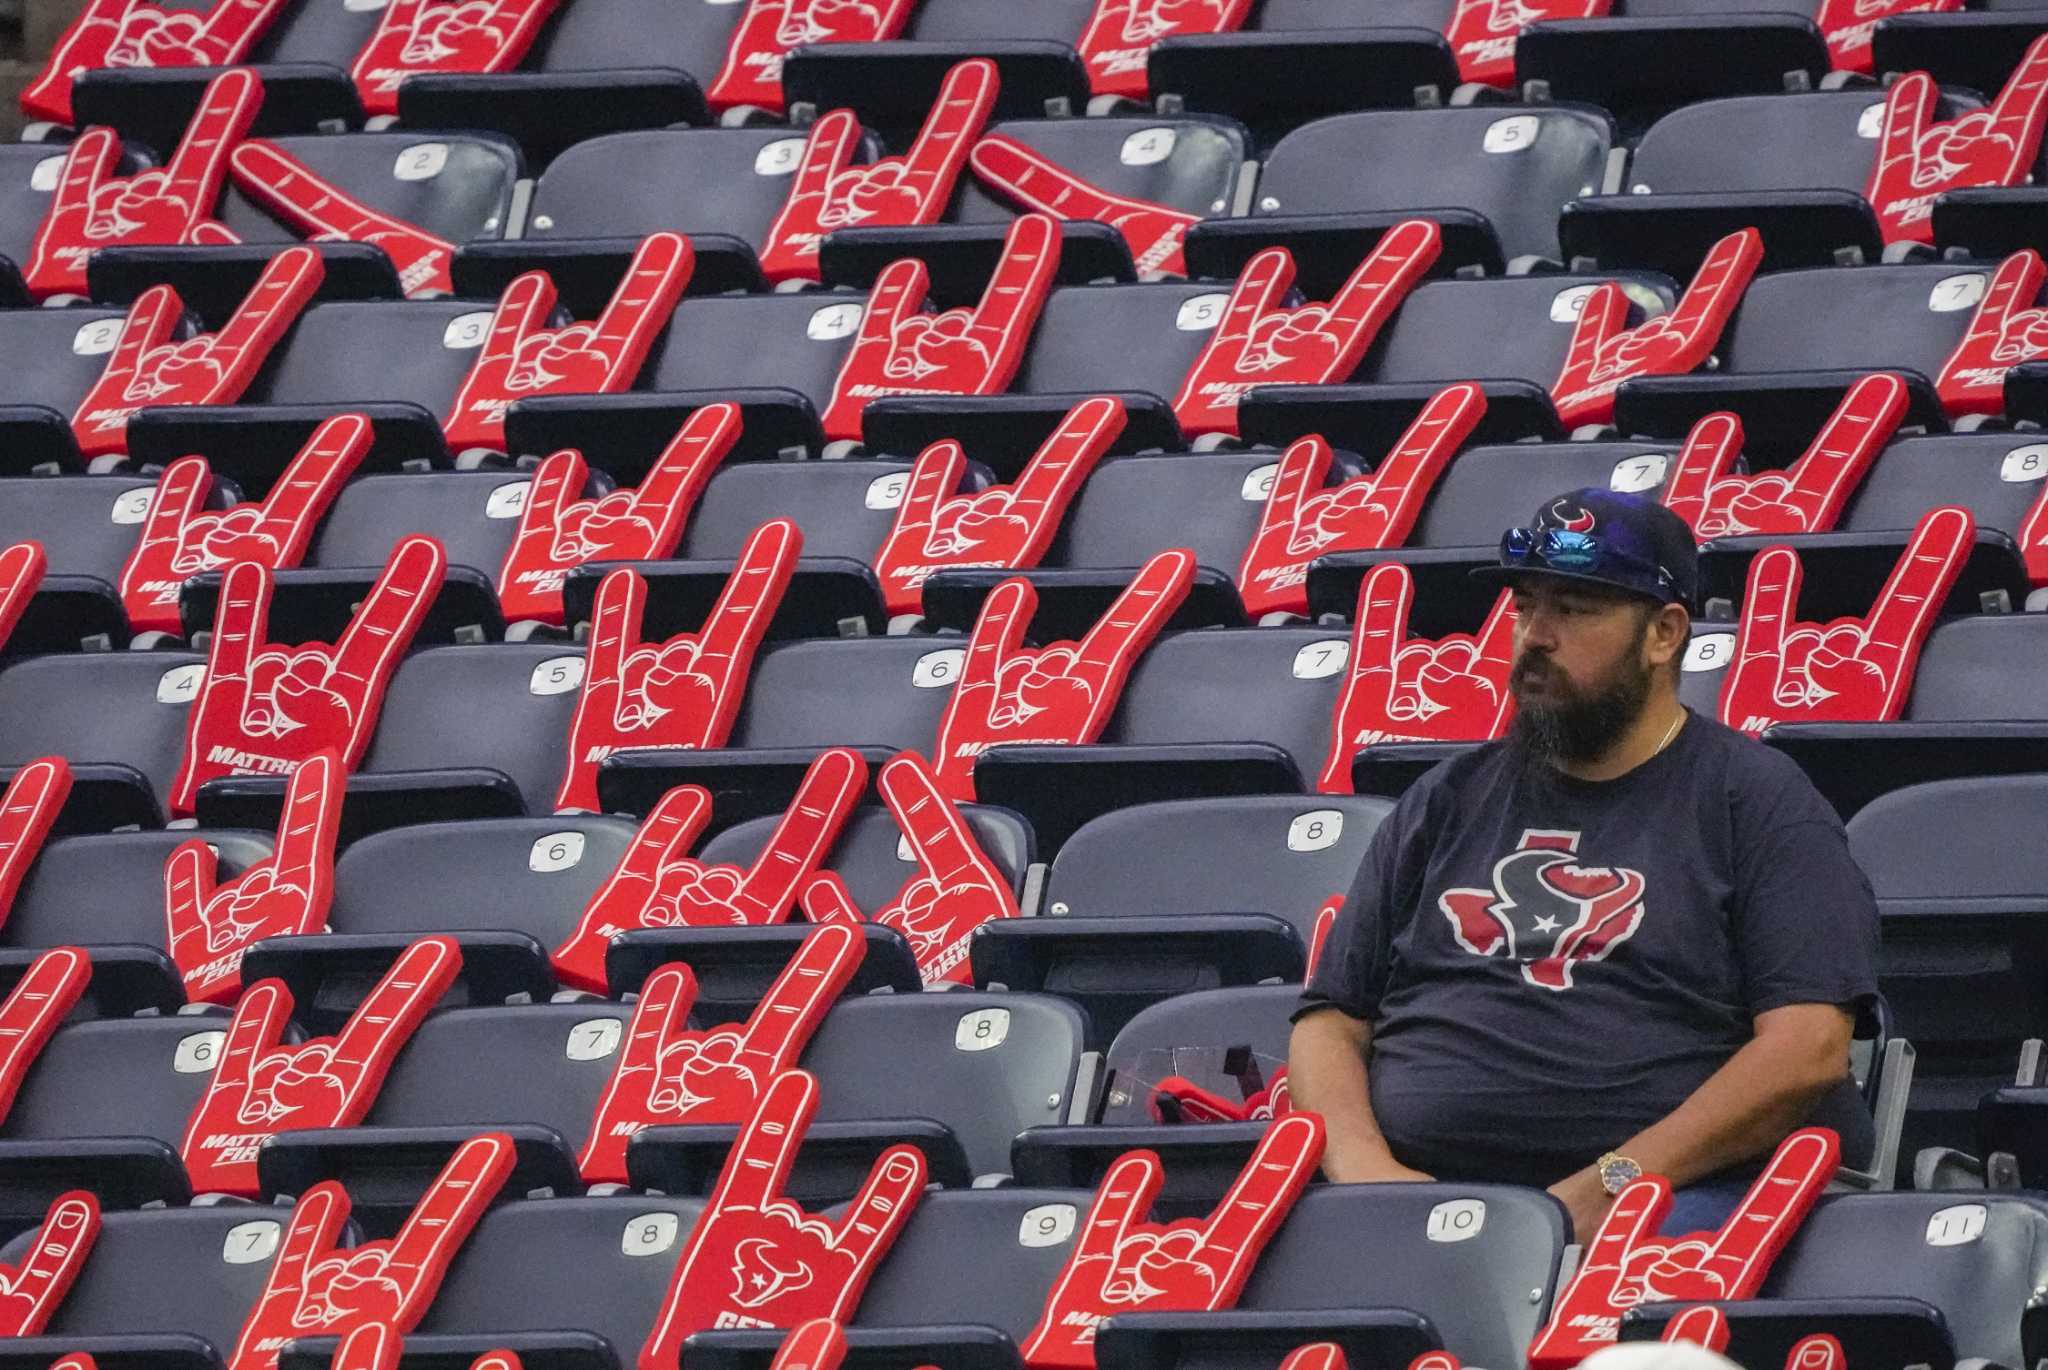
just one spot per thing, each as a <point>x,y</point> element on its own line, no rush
<point>1617,1172</point>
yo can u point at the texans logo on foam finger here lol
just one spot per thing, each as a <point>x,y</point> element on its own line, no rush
<point>1853,670</point>
<point>1009,526</point>
<point>1155,233</point>
<point>32,1291</point>
<point>286,894</point>
<point>1062,693</point>
<point>182,538</point>
<point>162,206</point>
<point>1628,1264</point>
<point>1706,1325</point>
<point>143,33</point>
<point>1403,689</point>
<point>1302,521</point>
<point>520,358</point>
<point>683,692</point>
<point>755,1259</point>
<point>658,885</point>
<point>2006,330</point>
<point>1118,40</point>
<point>901,350</point>
<point>22,565</point>
<point>668,1075</point>
<point>827,193</point>
<point>1847,25</point>
<point>147,367</point>
<point>33,1011</point>
<point>1917,160</point>
<point>1260,343</point>
<point>1805,497</point>
<point>308,203</point>
<point>956,888</point>
<point>429,36</point>
<point>318,1288</point>
<point>559,532</point>
<point>771,29</point>
<point>1482,33</point>
<point>261,1087</point>
<point>1603,353</point>
<point>264,707</point>
<point>1123,1264</point>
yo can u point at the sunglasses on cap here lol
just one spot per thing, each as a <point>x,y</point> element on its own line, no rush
<point>1582,554</point>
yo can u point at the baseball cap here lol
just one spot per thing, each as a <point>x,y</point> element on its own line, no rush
<point>1606,538</point>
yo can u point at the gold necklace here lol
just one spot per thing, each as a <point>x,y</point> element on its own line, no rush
<point>1676,724</point>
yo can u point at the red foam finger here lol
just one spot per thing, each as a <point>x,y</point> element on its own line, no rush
<point>35,1288</point>
<point>21,574</point>
<point>28,812</point>
<point>321,210</point>
<point>226,110</point>
<point>762,39</point>
<point>150,578</point>
<point>33,1011</point>
<point>740,619</point>
<point>671,487</point>
<point>1817,1352</point>
<point>377,636</point>
<point>57,254</point>
<point>1258,1200</point>
<point>876,1216</point>
<point>1708,454</point>
<point>1703,1325</point>
<point>824,800</point>
<point>446,1214</point>
<point>1136,616</point>
<point>311,481</point>
<point>1920,582</point>
<point>260,322</point>
<point>1753,1235</point>
<point>1319,1355</point>
<point>799,996</point>
<point>757,1166</point>
<point>942,144</point>
<point>371,1346</point>
<point>819,1344</point>
<point>620,904</point>
<point>826,900</point>
<point>2002,333</point>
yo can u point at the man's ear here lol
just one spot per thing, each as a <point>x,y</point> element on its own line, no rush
<point>1670,630</point>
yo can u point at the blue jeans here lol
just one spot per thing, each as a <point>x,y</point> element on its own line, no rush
<point>1703,1207</point>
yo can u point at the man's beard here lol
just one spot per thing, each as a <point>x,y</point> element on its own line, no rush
<point>1583,724</point>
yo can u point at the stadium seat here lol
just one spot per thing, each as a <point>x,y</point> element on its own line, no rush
<point>55,357</point>
<point>458,188</point>
<point>1905,318</point>
<point>88,525</point>
<point>121,713</point>
<point>697,180</point>
<point>843,508</point>
<point>105,892</point>
<point>1514,166</point>
<point>1134,507</point>
<point>1957,886</point>
<point>870,855</point>
<point>473,514</point>
<point>158,1279</point>
<point>1954,1275</point>
<point>495,718</point>
<point>1096,338</point>
<point>797,343</point>
<point>1990,474</point>
<point>1195,1036</point>
<point>967,21</point>
<point>583,1277</point>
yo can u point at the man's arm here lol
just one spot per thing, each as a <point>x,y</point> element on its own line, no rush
<point>1764,1091</point>
<point>1326,1075</point>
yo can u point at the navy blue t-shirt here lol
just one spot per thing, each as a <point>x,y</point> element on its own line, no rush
<point>1551,965</point>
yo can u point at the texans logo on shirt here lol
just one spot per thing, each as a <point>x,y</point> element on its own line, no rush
<point>1546,909</point>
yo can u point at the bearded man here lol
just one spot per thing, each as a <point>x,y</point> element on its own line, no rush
<point>1623,939</point>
